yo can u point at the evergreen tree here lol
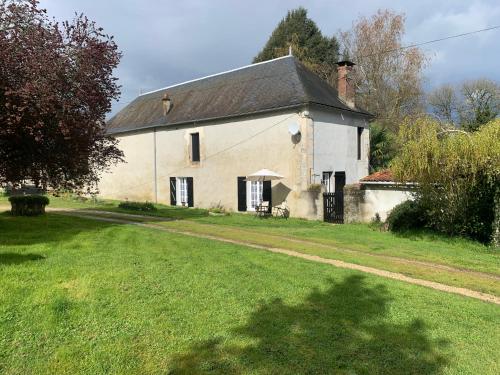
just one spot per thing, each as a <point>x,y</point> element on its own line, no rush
<point>383,147</point>
<point>309,45</point>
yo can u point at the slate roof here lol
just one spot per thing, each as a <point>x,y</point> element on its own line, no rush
<point>272,85</point>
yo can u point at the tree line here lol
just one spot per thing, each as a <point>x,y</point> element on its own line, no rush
<point>446,143</point>
<point>388,78</point>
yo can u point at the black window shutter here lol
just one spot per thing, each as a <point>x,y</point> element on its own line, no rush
<point>360,133</point>
<point>173,193</point>
<point>266,193</point>
<point>242,194</point>
<point>195,147</point>
<point>190,191</point>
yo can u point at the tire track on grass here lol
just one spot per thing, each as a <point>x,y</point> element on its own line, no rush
<point>337,263</point>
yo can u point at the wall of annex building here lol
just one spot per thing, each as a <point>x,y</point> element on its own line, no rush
<point>335,144</point>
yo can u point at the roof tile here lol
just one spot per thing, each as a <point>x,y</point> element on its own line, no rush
<point>380,176</point>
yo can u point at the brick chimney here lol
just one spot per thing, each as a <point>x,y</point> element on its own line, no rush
<point>345,83</point>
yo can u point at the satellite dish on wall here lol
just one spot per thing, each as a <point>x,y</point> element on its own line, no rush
<point>294,128</point>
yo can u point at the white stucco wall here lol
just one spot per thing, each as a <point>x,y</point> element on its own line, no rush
<point>335,144</point>
<point>233,148</point>
<point>382,200</point>
<point>228,149</point>
<point>364,201</point>
<point>134,179</point>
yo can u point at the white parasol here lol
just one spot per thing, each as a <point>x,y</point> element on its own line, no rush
<point>264,175</point>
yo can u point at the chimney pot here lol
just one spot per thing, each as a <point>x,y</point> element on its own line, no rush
<point>345,83</point>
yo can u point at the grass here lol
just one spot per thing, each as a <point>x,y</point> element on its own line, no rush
<point>353,243</point>
<point>85,297</point>
<point>467,278</point>
<point>360,237</point>
<point>163,211</point>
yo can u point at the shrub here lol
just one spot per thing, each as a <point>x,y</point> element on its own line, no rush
<point>407,216</point>
<point>28,205</point>
<point>376,223</point>
<point>315,188</point>
<point>137,206</point>
<point>218,208</point>
<point>456,175</point>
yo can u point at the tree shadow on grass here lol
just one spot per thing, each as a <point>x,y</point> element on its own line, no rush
<point>343,330</point>
<point>15,258</point>
<point>48,228</point>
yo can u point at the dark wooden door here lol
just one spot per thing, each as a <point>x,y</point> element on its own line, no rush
<point>333,203</point>
<point>339,197</point>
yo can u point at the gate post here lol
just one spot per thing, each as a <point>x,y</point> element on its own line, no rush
<point>353,198</point>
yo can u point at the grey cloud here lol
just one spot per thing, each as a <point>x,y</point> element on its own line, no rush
<point>166,42</point>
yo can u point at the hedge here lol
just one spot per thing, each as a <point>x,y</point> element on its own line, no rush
<point>137,206</point>
<point>28,205</point>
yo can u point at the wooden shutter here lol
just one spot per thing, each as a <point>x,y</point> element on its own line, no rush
<point>266,193</point>
<point>195,147</point>
<point>190,191</point>
<point>242,194</point>
<point>360,133</point>
<point>173,192</point>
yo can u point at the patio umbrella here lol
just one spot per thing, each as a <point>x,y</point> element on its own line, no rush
<point>264,175</point>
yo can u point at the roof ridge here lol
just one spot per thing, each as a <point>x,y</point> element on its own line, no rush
<point>315,75</point>
<point>216,74</point>
<point>305,93</point>
<point>325,85</point>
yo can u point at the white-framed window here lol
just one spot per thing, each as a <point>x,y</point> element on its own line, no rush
<point>326,180</point>
<point>254,194</point>
<point>182,191</point>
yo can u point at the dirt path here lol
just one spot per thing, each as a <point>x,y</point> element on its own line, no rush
<point>128,219</point>
<point>437,266</point>
<point>364,253</point>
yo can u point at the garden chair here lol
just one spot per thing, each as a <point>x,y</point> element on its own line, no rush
<point>262,210</point>
<point>281,211</point>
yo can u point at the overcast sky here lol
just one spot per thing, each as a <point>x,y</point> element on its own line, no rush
<point>166,41</point>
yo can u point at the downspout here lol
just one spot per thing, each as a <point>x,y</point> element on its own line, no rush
<point>310,125</point>
<point>154,165</point>
<point>313,148</point>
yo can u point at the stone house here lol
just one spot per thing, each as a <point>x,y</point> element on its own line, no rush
<point>194,143</point>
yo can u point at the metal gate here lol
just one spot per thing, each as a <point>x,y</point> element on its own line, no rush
<point>333,207</point>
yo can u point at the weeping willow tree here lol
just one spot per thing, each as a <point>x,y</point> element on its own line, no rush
<point>457,176</point>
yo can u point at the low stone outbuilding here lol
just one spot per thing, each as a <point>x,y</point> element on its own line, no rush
<point>375,194</point>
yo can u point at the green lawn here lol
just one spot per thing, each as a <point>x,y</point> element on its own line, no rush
<point>360,237</point>
<point>112,206</point>
<point>87,297</point>
<point>372,247</point>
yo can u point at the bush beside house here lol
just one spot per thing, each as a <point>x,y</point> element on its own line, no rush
<point>456,176</point>
<point>407,216</point>
<point>137,206</point>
